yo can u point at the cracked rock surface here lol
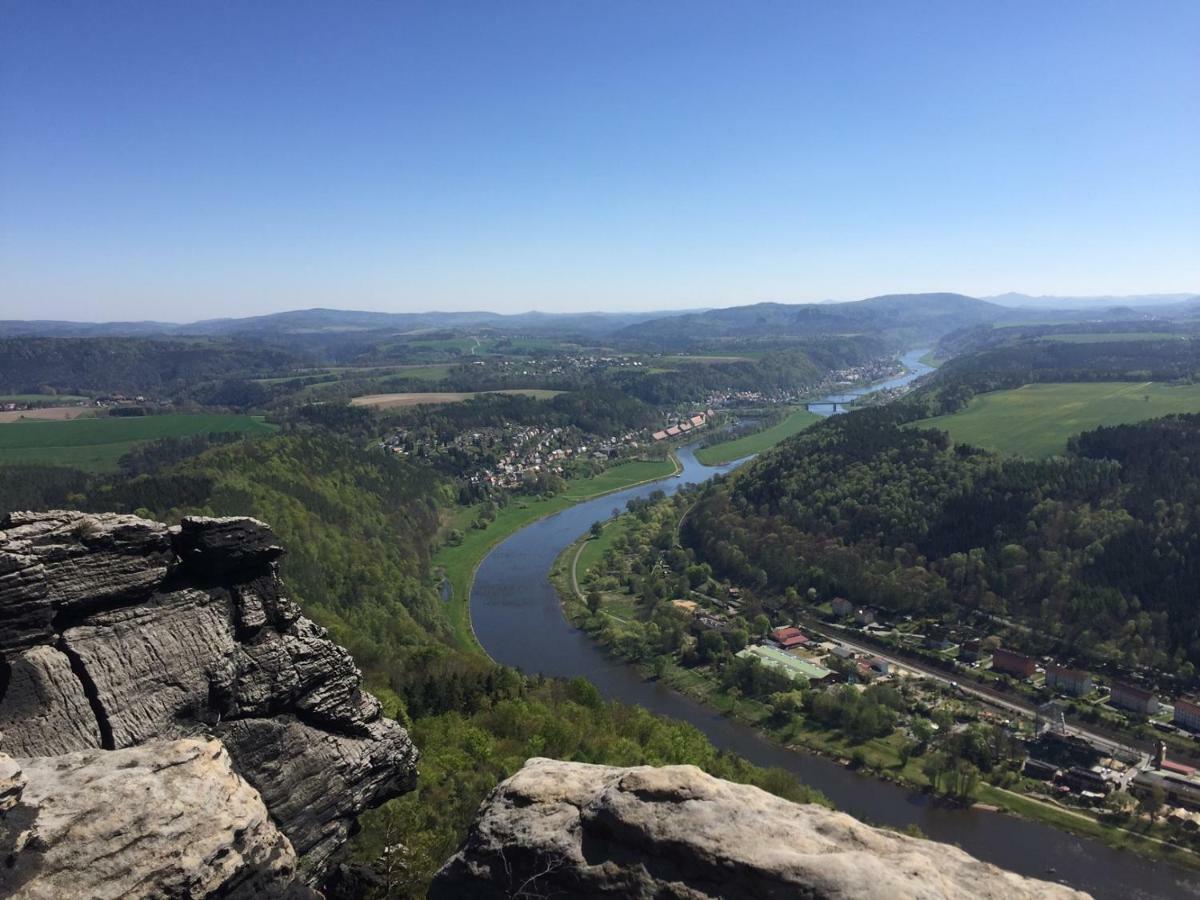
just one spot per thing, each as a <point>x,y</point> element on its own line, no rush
<point>116,632</point>
<point>159,820</point>
<point>586,831</point>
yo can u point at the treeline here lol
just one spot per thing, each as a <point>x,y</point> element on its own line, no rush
<point>129,365</point>
<point>1096,552</point>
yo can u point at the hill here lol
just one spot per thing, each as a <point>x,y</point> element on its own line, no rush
<point>903,317</point>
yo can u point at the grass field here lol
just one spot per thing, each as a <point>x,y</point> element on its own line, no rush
<point>95,445</point>
<point>395,401</point>
<point>1037,419</point>
<point>459,563</point>
<point>797,421</point>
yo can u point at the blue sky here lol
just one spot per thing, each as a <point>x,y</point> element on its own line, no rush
<point>180,160</point>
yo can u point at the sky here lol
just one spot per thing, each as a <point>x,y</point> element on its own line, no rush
<point>180,160</point>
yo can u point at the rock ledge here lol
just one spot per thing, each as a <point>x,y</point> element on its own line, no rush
<point>585,831</point>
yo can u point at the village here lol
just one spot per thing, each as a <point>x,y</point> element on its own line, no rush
<point>1069,763</point>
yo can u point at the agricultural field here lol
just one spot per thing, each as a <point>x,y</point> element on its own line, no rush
<point>417,398</point>
<point>796,421</point>
<point>1036,420</point>
<point>51,413</point>
<point>95,445</point>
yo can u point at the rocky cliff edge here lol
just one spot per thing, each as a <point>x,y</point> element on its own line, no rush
<point>117,632</point>
<point>585,831</point>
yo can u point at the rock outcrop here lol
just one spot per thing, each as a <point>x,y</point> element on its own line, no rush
<point>578,830</point>
<point>160,820</point>
<point>116,631</point>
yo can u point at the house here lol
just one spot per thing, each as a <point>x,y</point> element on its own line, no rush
<point>1013,663</point>
<point>659,435</point>
<point>1042,771</point>
<point>1134,698</point>
<point>843,652</point>
<point>864,615</point>
<point>1187,714</point>
<point>1079,779</point>
<point>880,665</point>
<point>685,426</point>
<point>673,431</point>
<point>1072,681</point>
<point>971,650</point>
<point>789,638</point>
<point>842,607</point>
<point>697,421</point>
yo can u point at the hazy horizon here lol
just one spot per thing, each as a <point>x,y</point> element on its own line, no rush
<point>182,162</point>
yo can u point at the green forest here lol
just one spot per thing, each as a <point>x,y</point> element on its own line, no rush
<point>1096,552</point>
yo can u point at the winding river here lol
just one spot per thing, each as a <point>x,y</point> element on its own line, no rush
<point>516,616</point>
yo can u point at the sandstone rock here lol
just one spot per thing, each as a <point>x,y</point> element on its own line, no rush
<point>44,709</point>
<point>113,640</point>
<point>219,546</point>
<point>159,820</point>
<point>578,830</point>
<point>315,781</point>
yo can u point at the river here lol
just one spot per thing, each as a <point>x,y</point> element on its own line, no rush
<point>517,618</point>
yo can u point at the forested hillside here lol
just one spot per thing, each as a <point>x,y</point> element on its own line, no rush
<point>127,365</point>
<point>358,526</point>
<point>1097,553</point>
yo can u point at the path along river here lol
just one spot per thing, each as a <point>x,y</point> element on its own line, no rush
<point>516,616</point>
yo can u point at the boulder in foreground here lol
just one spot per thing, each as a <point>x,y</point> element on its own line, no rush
<point>585,831</point>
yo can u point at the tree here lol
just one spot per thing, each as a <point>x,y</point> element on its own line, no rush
<point>593,601</point>
<point>1151,801</point>
<point>597,529</point>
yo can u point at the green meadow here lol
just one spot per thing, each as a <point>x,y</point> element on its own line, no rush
<point>1036,420</point>
<point>95,445</point>
<point>716,454</point>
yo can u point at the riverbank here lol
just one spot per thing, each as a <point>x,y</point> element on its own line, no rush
<point>459,562</point>
<point>889,758</point>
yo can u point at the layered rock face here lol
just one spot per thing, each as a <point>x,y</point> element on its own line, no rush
<point>162,820</point>
<point>578,830</point>
<point>116,631</point>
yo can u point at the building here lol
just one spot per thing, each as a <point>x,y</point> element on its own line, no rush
<point>880,665</point>
<point>1079,779</point>
<point>784,662</point>
<point>1179,791</point>
<point>660,435</point>
<point>1042,771</point>
<point>1134,698</point>
<point>1013,663</point>
<point>789,638</point>
<point>1187,714</point>
<point>1072,681</point>
<point>864,615</point>
<point>971,650</point>
<point>842,607</point>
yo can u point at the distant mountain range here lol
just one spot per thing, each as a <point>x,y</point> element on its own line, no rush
<point>903,317</point>
<point>331,321</point>
<point>1053,301</point>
